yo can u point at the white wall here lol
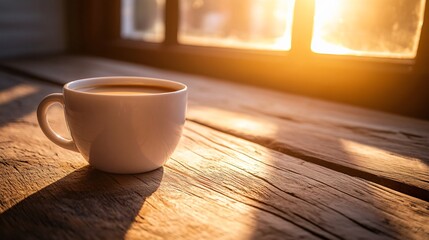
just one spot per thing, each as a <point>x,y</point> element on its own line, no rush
<point>31,27</point>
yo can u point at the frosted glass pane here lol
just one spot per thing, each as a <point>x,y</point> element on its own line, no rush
<point>256,24</point>
<point>143,20</point>
<point>378,28</point>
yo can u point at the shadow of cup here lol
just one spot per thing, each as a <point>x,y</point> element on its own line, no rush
<point>87,203</point>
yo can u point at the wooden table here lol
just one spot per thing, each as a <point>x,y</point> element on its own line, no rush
<point>252,164</point>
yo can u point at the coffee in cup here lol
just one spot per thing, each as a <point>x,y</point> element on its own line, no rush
<point>125,89</point>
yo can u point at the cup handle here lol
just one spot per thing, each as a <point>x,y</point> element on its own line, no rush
<point>42,111</point>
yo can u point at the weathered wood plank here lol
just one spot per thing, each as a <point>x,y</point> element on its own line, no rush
<point>383,148</point>
<point>215,186</point>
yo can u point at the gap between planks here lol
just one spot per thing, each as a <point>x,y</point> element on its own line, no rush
<point>402,187</point>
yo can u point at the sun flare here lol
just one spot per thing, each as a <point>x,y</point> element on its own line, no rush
<point>367,27</point>
<point>327,13</point>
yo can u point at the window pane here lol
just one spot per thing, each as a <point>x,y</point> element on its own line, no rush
<point>379,28</point>
<point>143,20</point>
<point>258,24</point>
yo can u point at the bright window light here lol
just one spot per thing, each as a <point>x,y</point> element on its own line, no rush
<point>254,24</point>
<point>375,28</point>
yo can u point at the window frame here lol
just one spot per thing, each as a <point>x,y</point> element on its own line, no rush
<point>386,82</point>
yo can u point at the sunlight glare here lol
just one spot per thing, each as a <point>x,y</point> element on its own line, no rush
<point>328,12</point>
<point>234,120</point>
<point>374,28</point>
<point>16,92</point>
<point>396,162</point>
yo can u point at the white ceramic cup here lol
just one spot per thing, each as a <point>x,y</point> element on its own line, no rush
<point>119,133</point>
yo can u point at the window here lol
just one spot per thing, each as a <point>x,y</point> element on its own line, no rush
<point>374,28</point>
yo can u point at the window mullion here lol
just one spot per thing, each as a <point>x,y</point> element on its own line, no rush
<point>302,29</point>
<point>171,21</point>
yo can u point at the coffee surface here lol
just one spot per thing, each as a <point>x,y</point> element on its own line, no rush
<point>125,89</point>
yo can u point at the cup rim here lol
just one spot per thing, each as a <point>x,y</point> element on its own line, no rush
<point>177,86</point>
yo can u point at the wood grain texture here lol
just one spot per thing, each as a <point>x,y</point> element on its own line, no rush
<point>387,149</point>
<point>214,186</point>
